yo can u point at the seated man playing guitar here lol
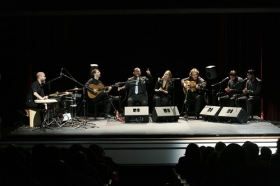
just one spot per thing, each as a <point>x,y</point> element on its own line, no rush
<point>192,87</point>
<point>96,91</point>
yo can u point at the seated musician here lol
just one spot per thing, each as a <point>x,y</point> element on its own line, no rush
<point>93,85</point>
<point>232,91</point>
<point>163,89</point>
<point>193,87</point>
<point>36,91</point>
<point>136,87</point>
<point>251,92</point>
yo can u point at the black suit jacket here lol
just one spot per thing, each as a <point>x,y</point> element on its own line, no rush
<point>143,80</point>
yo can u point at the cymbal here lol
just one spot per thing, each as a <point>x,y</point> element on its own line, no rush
<point>65,93</point>
<point>75,89</point>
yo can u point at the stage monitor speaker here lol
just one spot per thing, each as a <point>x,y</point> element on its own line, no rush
<point>211,72</point>
<point>91,68</point>
<point>234,114</point>
<point>210,112</point>
<point>165,114</point>
<point>136,114</point>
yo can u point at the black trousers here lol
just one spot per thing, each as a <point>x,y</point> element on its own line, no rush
<point>197,98</point>
<point>105,98</point>
<point>249,102</point>
<point>161,100</point>
<point>141,98</point>
<point>227,98</point>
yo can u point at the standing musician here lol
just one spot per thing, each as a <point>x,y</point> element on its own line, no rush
<point>192,87</point>
<point>136,87</point>
<point>232,91</point>
<point>163,89</point>
<point>252,91</point>
<point>36,91</point>
<point>97,92</point>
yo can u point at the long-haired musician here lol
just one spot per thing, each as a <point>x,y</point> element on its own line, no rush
<point>193,86</point>
<point>163,89</point>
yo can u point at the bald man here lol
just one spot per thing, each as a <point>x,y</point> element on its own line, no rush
<point>36,91</point>
<point>136,87</point>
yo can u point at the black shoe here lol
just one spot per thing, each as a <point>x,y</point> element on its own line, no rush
<point>108,116</point>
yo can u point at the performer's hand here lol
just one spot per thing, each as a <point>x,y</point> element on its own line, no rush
<point>119,88</point>
<point>94,91</point>
<point>197,87</point>
<point>227,90</point>
<point>45,97</point>
<point>148,71</point>
<point>160,89</point>
<point>109,88</point>
<point>245,91</point>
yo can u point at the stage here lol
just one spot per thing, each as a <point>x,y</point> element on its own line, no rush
<point>147,143</point>
<point>111,128</point>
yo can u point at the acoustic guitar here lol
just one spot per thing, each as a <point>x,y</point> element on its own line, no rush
<point>99,88</point>
<point>192,85</point>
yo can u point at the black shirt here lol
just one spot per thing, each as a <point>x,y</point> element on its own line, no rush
<point>35,87</point>
<point>236,86</point>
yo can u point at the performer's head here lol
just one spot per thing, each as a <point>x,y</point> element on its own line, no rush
<point>137,72</point>
<point>41,77</point>
<point>194,73</point>
<point>96,73</point>
<point>232,74</point>
<point>167,75</point>
<point>251,74</point>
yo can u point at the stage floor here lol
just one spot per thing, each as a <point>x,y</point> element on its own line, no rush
<point>183,128</point>
<point>147,143</point>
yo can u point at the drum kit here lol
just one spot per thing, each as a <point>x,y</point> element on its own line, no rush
<point>61,108</point>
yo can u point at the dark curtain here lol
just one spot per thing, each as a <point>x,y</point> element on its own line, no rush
<point>119,43</point>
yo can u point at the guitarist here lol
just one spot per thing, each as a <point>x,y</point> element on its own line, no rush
<point>193,86</point>
<point>102,96</point>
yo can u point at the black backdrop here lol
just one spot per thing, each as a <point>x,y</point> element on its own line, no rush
<point>119,42</point>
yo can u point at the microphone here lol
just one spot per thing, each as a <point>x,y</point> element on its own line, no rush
<point>224,79</point>
<point>175,78</point>
<point>61,72</point>
<point>244,80</point>
<point>241,81</point>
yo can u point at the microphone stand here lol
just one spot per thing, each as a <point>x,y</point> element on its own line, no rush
<point>213,92</point>
<point>49,83</point>
<point>185,104</point>
<point>173,101</point>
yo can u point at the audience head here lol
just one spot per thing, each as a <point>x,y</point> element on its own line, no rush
<point>220,146</point>
<point>251,149</point>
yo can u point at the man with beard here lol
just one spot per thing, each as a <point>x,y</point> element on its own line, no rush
<point>251,92</point>
<point>232,91</point>
<point>36,91</point>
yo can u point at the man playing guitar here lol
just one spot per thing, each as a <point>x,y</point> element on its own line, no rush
<point>192,86</point>
<point>96,91</point>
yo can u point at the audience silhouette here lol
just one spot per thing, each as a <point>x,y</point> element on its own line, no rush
<point>222,165</point>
